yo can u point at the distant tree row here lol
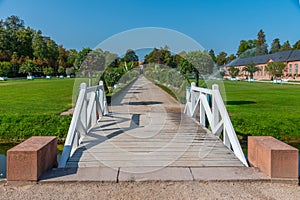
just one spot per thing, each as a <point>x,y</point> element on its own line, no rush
<point>24,50</point>
<point>193,63</point>
<point>260,47</point>
<point>255,47</point>
<point>21,47</point>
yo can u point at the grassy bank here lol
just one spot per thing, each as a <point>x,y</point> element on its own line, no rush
<point>33,108</point>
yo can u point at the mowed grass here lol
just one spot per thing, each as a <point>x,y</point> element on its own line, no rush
<point>33,108</point>
<point>265,109</point>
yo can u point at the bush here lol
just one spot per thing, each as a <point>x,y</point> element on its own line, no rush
<point>5,68</point>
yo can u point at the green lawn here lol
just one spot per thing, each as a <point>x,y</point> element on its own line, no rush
<point>33,108</point>
<point>265,109</point>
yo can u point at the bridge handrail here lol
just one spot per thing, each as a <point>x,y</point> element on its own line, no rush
<point>91,105</point>
<point>217,116</point>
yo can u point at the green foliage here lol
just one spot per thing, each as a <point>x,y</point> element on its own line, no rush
<point>261,45</point>
<point>39,46</point>
<point>275,46</point>
<point>275,68</point>
<point>81,56</point>
<point>221,58</point>
<point>130,56</point>
<point>286,46</point>
<point>297,45</point>
<point>186,68</point>
<point>15,37</point>
<point>5,68</point>
<point>198,63</point>
<point>233,72</point>
<point>112,76</point>
<point>230,58</point>
<point>19,44</point>
<point>251,69</point>
<point>29,67</point>
<point>245,45</point>
<point>201,61</point>
<point>48,71</point>
<point>212,55</point>
<point>162,56</point>
<point>61,70</point>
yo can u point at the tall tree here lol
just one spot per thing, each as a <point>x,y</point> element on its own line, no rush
<point>286,46</point>
<point>14,37</point>
<point>63,55</point>
<point>245,45</point>
<point>212,55</point>
<point>72,57</point>
<point>161,56</point>
<point>202,63</point>
<point>221,58</point>
<point>13,23</point>
<point>165,56</point>
<point>275,46</point>
<point>186,68</point>
<point>52,54</point>
<point>80,57</point>
<point>130,56</point>
<point>39,46</point>
<point>297,45</point>
<point>230,58</point>
<point>261,45</point>
<point>152,57</point>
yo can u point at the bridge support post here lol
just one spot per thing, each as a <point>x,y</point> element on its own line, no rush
<point>193,99</point>
<point>215,111</point>
<point>83,115</point>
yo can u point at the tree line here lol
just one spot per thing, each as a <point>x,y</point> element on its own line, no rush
<point>254,47</point>
<point>25,50</point>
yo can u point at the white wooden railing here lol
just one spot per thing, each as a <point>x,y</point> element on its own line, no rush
<point>91,105</point>
<point>216,114</point>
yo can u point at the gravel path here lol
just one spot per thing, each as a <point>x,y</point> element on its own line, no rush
<point>152,190</point>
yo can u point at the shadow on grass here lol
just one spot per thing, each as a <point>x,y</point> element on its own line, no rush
<point>239,102</point>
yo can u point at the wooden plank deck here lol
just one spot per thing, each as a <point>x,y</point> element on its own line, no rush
<point>146,128</point>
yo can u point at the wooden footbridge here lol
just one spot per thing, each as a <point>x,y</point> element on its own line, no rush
<point>145,127</point>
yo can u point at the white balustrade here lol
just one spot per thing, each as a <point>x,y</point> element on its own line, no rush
<point>91,105</point>
<point>216,114</point>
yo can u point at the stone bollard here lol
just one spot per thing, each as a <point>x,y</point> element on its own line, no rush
<point>28,160</point>
<point>275,158</point>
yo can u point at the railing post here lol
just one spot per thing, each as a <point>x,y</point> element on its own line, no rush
<point>226,139</point>
<point>193,99</point>
<point>83,116</point>
<point>188,93</point>
<point>202,114</point>
<point>215,111</point>
<point>101,97</point>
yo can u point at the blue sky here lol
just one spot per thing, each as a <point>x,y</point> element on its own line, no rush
<point>215,24</point>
